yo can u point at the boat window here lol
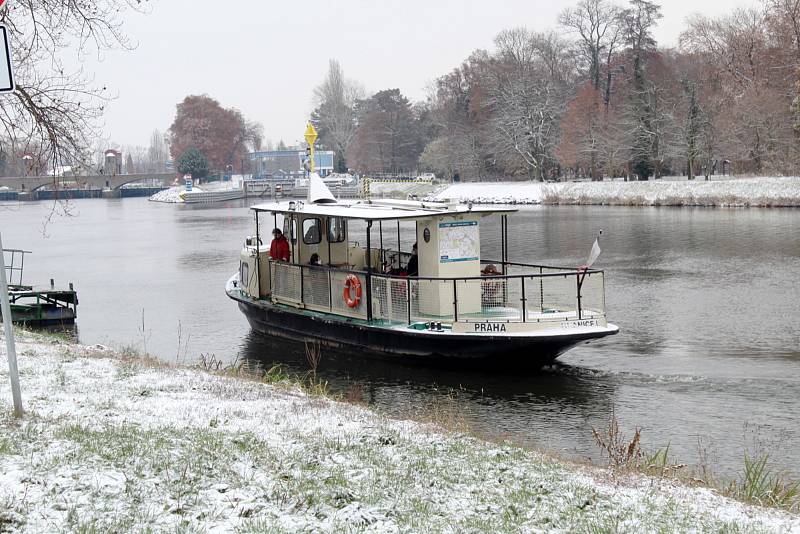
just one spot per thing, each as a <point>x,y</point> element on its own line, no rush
<point>311,231</point>
<point>336,229</point>
<point>291,236</point>
<point>244,275</point>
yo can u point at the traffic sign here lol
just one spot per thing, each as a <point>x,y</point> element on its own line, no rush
<point>6,72</point>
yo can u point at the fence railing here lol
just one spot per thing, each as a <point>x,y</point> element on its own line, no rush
<point>15,266</point>
<point>525,294</point>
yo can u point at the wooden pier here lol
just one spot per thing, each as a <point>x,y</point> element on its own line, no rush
<point>36,306</point>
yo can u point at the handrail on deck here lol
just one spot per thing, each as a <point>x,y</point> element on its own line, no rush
<point>514,292</point>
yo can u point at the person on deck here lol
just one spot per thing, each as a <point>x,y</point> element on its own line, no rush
<point>279,248</point>
<point>412,269</point>
<point>314,260</point>
<point>490,270</point>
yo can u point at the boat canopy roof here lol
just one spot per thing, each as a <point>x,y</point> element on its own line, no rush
<point>379,210</point>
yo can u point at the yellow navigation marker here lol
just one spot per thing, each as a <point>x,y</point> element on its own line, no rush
<point>311,136</point>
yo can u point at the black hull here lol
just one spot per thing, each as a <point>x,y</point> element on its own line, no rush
<point>538,351</point>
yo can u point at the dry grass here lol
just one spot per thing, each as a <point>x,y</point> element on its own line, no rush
<point>625,454</point>
<point>622,452</point>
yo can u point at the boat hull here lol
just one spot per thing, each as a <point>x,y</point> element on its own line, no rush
<point>407,344</point>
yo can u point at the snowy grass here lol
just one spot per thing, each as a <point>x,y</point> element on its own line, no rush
<point>112,443</point>
<point>747,192</point>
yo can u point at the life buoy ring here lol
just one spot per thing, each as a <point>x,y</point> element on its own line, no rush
<point>352,291</point>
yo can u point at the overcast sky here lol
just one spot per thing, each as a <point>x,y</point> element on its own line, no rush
<point>265,58</point>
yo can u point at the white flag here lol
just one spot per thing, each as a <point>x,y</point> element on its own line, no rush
<point>595,253</point>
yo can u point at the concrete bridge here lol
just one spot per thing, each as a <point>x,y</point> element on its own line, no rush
<point>99,181</point>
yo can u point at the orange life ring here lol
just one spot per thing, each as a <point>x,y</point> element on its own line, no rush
<point>352,291</point>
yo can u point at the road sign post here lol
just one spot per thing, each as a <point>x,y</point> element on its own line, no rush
<point>13,372</point>
<point>6,71</point>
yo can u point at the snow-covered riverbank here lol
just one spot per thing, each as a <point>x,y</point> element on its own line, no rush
<point>750,192</point>
<point>111,443</point>
<point>173,194</point>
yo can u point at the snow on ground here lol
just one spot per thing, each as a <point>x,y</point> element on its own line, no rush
<point>753,192</point>
<point>172,195</point>
<point>402,190</point>
<point>111,443</point>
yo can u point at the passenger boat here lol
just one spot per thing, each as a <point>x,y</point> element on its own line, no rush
<point>360,298</point>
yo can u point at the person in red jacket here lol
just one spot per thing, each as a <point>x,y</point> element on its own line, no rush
<point>279,248</point>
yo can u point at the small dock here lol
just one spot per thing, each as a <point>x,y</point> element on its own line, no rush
<point>37,306</point>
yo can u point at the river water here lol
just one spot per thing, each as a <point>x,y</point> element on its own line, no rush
<point>708,303</point>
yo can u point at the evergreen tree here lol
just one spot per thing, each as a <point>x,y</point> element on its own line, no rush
<point>193,162</point>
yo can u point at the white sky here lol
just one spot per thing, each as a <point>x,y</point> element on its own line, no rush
<point>265,58</point>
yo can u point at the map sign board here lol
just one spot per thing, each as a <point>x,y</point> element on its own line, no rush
<point>459,241</point>
<point>6,73</point>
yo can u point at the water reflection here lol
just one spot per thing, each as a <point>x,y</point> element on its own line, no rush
<point>515,405</point>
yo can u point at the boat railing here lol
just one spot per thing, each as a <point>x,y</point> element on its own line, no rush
<point>319,288</point>
<point>525,294</point>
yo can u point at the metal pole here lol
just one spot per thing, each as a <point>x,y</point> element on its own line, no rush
<point>505,217</point>
<point>302,296</point>
<point>502,245</point>
<point>13,372</point>
<point>399,250</point>
<point>408,298</point>
<point>292,237</point>
<point>380,230</point>
<point>330,289</point>
<point>328,239</point>
<point>579,279</point>
<point>369,273</point>
<point>455,302</point>
<point>258,260</point>
<point>541,290</point>
<point>505,258</point>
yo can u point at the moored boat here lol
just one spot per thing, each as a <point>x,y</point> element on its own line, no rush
<point>218,195</point>
<point>37,306</point>
<point>371,298</point>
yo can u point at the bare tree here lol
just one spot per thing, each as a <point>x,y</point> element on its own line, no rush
<point>53,112</point>
<point>596,22</point>
<point>157,153</point>
<point>335,114</point>
<point>528,96</point>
